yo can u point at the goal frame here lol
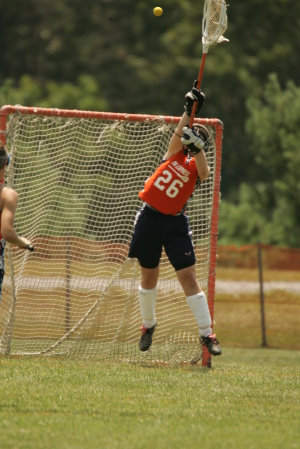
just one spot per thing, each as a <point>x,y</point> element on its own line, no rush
<point>7,110</point>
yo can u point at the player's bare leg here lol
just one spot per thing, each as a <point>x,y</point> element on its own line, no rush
<point>188,280</point>
<point>197,302</point>
<point>149,277</point>
<point>147,297</point>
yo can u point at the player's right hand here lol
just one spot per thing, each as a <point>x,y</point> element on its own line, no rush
<point>192,96</point>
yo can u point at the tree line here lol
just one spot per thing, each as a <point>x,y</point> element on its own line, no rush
<point>115,55</point>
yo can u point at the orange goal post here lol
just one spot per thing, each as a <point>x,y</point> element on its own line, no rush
<point>78,174</point>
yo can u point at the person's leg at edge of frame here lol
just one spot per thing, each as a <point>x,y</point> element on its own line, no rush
<point>147,293</point>
<point>2,270</point>
<point>197,302</point>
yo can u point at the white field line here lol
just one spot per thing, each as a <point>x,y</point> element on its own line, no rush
<point>101,283</point>
<point>253,287</point>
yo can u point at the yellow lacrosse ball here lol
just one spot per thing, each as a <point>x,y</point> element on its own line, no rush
<point>157,11</point>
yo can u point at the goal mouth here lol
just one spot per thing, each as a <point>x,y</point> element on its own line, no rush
<point>77,293</point>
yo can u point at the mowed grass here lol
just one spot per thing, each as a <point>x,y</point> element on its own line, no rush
<point>238,321</point>
<point>249,399</point>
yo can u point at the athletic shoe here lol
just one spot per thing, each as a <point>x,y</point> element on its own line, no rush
<point>146,338</point>
<point>212,344</point>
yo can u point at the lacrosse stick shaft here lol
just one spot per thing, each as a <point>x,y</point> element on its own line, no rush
<point>198,87</point>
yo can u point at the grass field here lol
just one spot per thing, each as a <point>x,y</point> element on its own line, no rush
<point>237,316</point>
<point>249,399</point>
<point>238,320</point>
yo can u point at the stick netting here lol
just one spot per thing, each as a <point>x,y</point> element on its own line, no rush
<point>214,23</point>
<point>78,181</point>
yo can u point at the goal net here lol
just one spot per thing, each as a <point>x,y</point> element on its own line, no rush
<point>78,175</point>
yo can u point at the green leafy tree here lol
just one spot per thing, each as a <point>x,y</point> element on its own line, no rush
<point>269,210</point>
<point>145,64</point>
<point>27,93</point>
<point>132,61</point>
<point>84,95</point>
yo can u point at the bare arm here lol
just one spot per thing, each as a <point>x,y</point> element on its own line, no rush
<point>194,96</point>
<point>202,165</point>
<point>10,202</point>
<point>175,144</point>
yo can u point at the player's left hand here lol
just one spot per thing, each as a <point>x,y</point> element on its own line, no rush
<point>192,140</point>
<point>27,243</point>
<point>192,96</point>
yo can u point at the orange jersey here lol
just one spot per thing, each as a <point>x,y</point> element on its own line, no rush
<point>171,185</point>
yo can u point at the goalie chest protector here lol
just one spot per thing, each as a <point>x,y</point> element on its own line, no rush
<point>171,185</point>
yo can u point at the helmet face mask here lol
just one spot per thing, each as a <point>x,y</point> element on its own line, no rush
<point>203,133</point>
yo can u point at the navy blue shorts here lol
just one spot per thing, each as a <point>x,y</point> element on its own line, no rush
<point>153,231</point>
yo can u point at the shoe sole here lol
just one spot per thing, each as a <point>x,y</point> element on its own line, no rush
<point>142,342</point>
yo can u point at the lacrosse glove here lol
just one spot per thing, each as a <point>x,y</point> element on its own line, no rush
<point>192,140</point>
<point>192,96</point>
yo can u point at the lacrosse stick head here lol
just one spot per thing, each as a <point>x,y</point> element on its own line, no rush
<point>214,23</point>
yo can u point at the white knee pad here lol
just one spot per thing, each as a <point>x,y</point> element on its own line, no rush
<point>199,308</point>
<point>147,300</point>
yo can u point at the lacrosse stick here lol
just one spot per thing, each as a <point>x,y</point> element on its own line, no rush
<point>214,25</point>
